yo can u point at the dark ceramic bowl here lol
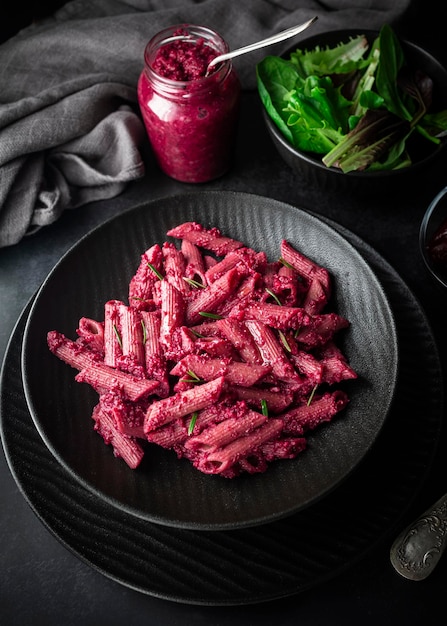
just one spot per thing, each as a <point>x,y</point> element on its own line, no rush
<point>435,218</point>
<point>309,166</point>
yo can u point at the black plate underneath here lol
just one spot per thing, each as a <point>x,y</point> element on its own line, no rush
<point>254,564</point>
<point>167,490</point>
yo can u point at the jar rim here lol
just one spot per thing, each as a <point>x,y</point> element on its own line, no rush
<point>194,32</point>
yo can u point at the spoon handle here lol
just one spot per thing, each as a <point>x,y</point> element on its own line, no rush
<point>285,34</point>
<point>417,550</point>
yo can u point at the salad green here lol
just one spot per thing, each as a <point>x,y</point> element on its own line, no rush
<point>357,104</point>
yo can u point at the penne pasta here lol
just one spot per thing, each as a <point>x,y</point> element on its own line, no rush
<point>182,403</point>
<point>142,284</point>
<point>209,239</point>
<point>123,446</point>
<point>305,267</point>
<point>221,356</point>
<point>92,332</point>
<point>222,459</point>
<point>131,334</point>
<point>175,268</point>
<point>112,333</point>
<point>104,378</point>
<point>209,299</point>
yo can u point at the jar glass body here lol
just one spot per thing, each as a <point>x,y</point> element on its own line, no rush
<point>191,124</point>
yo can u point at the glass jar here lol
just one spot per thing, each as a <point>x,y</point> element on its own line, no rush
<point>192,123</point>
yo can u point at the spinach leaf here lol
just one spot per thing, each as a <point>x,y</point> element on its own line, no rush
<point>276,77</point>
<point>391,61</point>
<point>435,124</point>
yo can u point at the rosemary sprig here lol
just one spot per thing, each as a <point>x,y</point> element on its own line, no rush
<point>192,423</point>
<point>193,378</point>
<point>118,336</point>
<point>213,316</point>
<point>312,393</point>
<point>284,341</point>
<point>156,272</point>
<point>274,296</point>
<point>264,408</point>
<point>285,263</point>
<point>193,283</point>
<point>194,332</point>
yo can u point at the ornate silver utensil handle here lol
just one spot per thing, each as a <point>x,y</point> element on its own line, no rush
<point>417,550</point>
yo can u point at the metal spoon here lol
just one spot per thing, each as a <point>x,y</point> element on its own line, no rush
<point>285,34</point>
<point>417,550</point>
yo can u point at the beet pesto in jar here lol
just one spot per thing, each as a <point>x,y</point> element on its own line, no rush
<point>190,117</point>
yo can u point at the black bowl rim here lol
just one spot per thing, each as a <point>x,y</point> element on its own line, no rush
<point>315,161</point>
<point>424,237</point>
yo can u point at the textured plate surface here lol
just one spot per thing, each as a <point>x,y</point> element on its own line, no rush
<point>167,490</point>
<point>253,564</point>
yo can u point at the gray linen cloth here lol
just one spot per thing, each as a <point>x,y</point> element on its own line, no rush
<point>70,128</point>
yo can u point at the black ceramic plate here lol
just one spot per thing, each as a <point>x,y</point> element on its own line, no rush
<point>164,489</point>
<point>256,564</point>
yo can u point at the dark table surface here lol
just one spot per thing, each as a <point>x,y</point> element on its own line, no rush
<point>43,582</point>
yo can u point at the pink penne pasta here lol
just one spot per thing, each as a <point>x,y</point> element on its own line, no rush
<point>172,312</point>
<point>71,352</point>
<point>183,403</point>
<point>308,365</point>
<point>195,264</point>
<point>270,272</point>
<point>151,323</point>
<point>334,370</point>
<point>104,378</point>
<point>92,332</point>
<point>221,460</point>
<point>276,316</point>
<point>235,373</point>
<point>238,334</point>
<point>209,299</point>
<point>316,298</point>
<point>335,367</point>
<point>217,347</point>
<point>175,433</point>
<point>210,239</point>
<point>131,334</point>
<point>127,416</point>
<point>174,267</point>
<point>242,297</point>
<point>284,448</point>
<point>219,355</point>
<point>275,401</point>
<point>305,267</point>
<point>321,329</point>
<point>306,417</point>
<point>245,259</point>
<point>170,435</point>
<point>229,262</point>
<point>288,287</point>
<point>124,447</point>
<point>209,261</point>
<point>142,284</point>
<point>254,464</point>
<point>272,351</point>
<point>219,435</point>
<point>154,358</point>
<point>199,366</point>
<point>113,349</point>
